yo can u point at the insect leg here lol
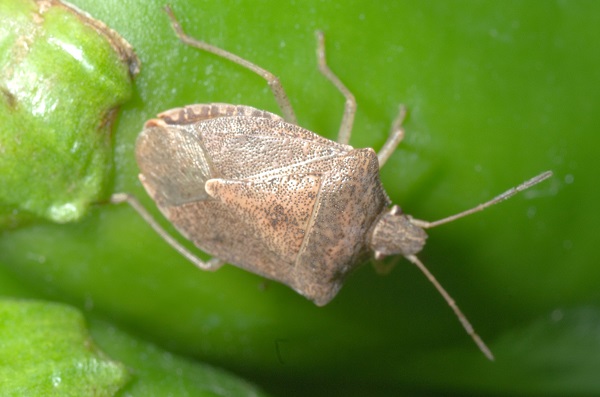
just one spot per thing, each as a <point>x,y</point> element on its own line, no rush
<point>212,264</point>
<point>383,268</point>
<point>396,136</point>
<point>272,80</point>
<point>350,105</point>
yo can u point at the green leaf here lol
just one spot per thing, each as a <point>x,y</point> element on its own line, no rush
<point>47,351</point>
<point>157,372</point>
<point>62,74</point>
<point>496,91</point>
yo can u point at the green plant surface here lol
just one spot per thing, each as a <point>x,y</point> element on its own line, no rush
<point>496,91</point>
<point>47,351</point>
<point>157,372</point>
<point>61,79</point>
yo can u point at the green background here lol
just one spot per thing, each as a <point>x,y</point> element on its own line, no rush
<point>497,92</point>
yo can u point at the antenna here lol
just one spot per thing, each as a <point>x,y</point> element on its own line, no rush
<point>425,224</point>
<point>461,317</point>
<point>501,197</point>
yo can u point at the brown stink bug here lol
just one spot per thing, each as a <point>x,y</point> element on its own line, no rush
<point>255,190</point>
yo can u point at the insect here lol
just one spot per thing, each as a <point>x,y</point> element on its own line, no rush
<point>255,190</point>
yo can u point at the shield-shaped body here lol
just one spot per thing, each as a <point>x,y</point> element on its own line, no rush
<point>262,194</point>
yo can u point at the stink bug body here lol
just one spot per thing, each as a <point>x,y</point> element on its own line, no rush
<point>255,190</point>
